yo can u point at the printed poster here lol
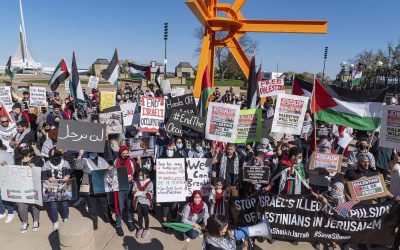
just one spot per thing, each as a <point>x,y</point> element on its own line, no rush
<point>93,82</point>
<point>389,136</point>
<point>37,97</point>
<point>59,190</point>
<point>271,87</point>
<point>249,126</point>
<point>222,122</point>
<point>170,180</point>
<point>5,97</point>
<point>152,114</point>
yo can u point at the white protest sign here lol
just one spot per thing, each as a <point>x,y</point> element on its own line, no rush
<point>390,127</point>
<point>37,96</point>
<point>271,87</point>
<point>170,180</point>
<point>67,86</point>
<point>289,114</point>
<point>5,97</point>
<point>166,86</point>
<point>176,91</point>
<point>128,111</point>
<point>198,172</point>
<point>93,82</point>
<point>152,113</point>
<point>222,122</point>
<point>21,184</point>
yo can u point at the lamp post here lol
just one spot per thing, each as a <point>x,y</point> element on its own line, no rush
<point>325,56</point>
<point>342,72</point>
<point>351,68</point>
<point>165,49</point>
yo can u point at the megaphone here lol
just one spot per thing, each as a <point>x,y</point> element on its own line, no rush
<point>261,229</point>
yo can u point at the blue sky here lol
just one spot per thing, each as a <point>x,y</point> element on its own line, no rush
<point>93,28</point>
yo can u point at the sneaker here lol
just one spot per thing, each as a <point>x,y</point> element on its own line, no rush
<point>131,228</point>
<point>2,216</point>
<point>87,208</point>
<point>35,226</point>
<point>55,226</point>
<point>65,220</point>
<point>79,201</point>
<point>24,227</point>
<point>188,240</point>
<point>139,233</point>
<point>200,235</point>
<point>145,233</point>
<point>120,232</point>
<point>9,218</point>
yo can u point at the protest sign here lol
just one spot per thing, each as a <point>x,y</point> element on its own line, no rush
<point>128,112</point>
<point>107,99</point>
<point>105,181</point>
<point>184,103</point>
<point>198,171</point>
<point>330,162</point>
<point>66,85</point>
<point>368,188</point>
<point>222,122</point>
<point>37,96</point>
<point>143,147</point>
<point>5,97</point>
<point>74,135</point>
<point>113,121</point>
<point>303,218</point>
<point>170,180</point>
<point>176,91</point>
<point>271,87</point>
<point>166,86</point>
<point>389,136</point>
<point>152,114</point>
<point>21,184</point>
<point>184,124</point>
<point>249,126</point>
<point>93,82</point>
<point>259,173</point>
<point>59,190</point>
<point>289,114</point>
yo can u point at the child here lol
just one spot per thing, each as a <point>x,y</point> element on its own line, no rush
<point>143,201</point>
<point>218,197</point>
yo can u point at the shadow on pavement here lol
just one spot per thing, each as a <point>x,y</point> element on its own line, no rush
<point>54,240</point>
<point>130,243</point>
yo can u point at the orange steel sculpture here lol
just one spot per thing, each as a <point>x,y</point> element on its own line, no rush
<point>236,25</point>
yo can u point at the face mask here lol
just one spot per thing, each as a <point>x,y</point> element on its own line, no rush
<point>170,153</point>
<point>199,149</point>
<point>47,130</point>
<point>362,147</point>
<point>92,155</point>
<point>179,145</point>
<point>124,157</point>
<point>299,161</point>
<point>140,178</point>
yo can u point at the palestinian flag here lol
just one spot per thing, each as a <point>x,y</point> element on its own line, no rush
<point>75,86</point>
<point>252,86</point>
<point>111,73</point>
<point>302,88</point>
<point>357,76</point>
<point>360,110</point>
<point>206,91</point>
<point>60,74</point>
<point>139,71</point>
<point>8,69</point>
<point>5,112</point>
<point>157,79</point>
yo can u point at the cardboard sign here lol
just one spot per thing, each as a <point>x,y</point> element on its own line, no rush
<point>143,147</point>
<point>74,135</point>
<point>66,85</point>
<point>21,184</point>
<point>184,103</point>
<point>59,190</point>
<point>113,121</point>
<point>330,162</point>
<point>152,114</point>
<point>107,99</point>
<point>258,173</point>
<point>389,136</point>
<point>184,124</point>
<point>37,97</point>
<point>289,114</point>
<point>105,181</point>
<point>93,82</point>
<point>128,113</point>
<point>222,122</point>
<point>250,126</point>
<point>368,188</point>
<point>198,171</point>
<point>5,97</point>
<point>170,180</point>
<point>271,87</point>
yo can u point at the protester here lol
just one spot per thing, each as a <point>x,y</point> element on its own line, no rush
<point>362,149</point>
<point>23,135</point>
<point>7,132</point>
<point>218,198</point>
<point>195,213</point>
<point>143,201</point>
<point>6,159</point>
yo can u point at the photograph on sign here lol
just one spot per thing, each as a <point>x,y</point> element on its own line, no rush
<point>249,126</point>
<point>113,121</point>
<point>222,122</point>
<point>105,181</point>
<point>59,190</point>
<point>143,147</point>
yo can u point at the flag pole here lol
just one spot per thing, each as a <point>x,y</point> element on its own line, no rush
<point>313,101</point>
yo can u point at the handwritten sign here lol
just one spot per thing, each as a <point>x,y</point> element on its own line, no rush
<point>21,184</point>
<point>93,82</point>
<point>184,103</point>
<point>170,179</point>
<point>74,135</point>
<point>389,136</point>
<point>271,87</point>
<point>198,171</point>
<point>105,181</point>
<point>184,124</point>
<point>330,162</point>
<point>59,190</point>
<point>113,120</point>
<point>289,114</point>
<point>152,114</point>
<point>258,173</point>
<point>5,97</point>
<point>107,99</point>
<point>222,122</point>
<point>128,113</point>
<point>143,147</point>
<point>368,188</point>
<point>37,96</point>
<point>249,126</point>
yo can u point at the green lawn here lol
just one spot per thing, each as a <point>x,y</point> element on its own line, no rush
<point>219,82</point>
<point>46,81</point>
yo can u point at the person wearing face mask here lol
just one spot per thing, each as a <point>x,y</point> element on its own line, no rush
<point>362,148</point>
<point>198,151</point>
<point>195,213</point>
<point>42,135</point>
<point>248,188</point>
<point>56,168</point>
<point>143,201</point>
<point>180,148</point>
<point>171,152</point>
<point>56,113</point>
<point>7,132</point>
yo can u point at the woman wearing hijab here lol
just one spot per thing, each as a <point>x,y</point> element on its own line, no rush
<point>195,213</point>
<point>143,201</point>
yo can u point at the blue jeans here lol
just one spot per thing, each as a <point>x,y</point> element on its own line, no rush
<point>54,210</point>
<point>125,200</point>
<point>192,234</point>
<point>6,205</point>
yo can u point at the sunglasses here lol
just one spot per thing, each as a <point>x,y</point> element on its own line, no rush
<point>4,122</point>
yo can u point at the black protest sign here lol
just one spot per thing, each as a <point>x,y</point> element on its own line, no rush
<point>184,103</point>
<point>184,124</point>
<point>74,135</point>
<point>259,173</point>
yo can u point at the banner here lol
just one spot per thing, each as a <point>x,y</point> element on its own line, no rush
<point>271,87</point>
<point>93,82</point>
<point>113,121</point>
<point>184,103</point>
<point>389,136</point>
<point>141,147</point>
<point>107,99</point>
<point>74,135</point>
<point>5,97</point>
<point>59,190</point>
<point>289,114</point>
<point>249,126</point>
<point>128,112</point>
<point>259,173</point>
<point>302,218</point>
<point>368,188</point>
<point>222,122</point>
<point>330,162</point>
<point>21,184</point>
<point>184,124</point>
<point>152,114</point>
<point>37,97</point>
<point>105,181</point>
<point>170,180</point>
<point>198,172</point>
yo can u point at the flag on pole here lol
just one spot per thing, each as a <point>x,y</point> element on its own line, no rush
<point>139,71</point>
<point>157,79</point>
<point>4,112</point>
<point>8,69</point>
<point>60,74</point>
<point>357,76</point>
<point>206,91</point>
<point>344,208</point>
<point>75,86</point>
<point>302,88</point>
<point>111,73</point>
<point>252,86</point>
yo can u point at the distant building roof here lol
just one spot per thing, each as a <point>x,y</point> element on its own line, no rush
<point>102,61</point>
<point>184,65</point>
